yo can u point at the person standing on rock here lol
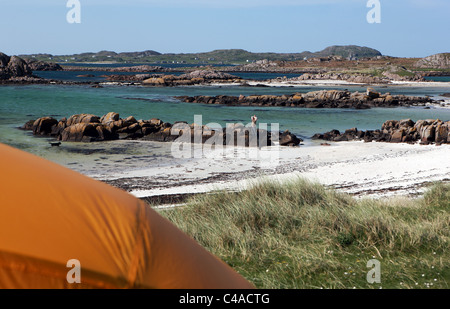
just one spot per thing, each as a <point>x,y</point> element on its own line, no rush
<point>254,131</point>
<point>254,120</point>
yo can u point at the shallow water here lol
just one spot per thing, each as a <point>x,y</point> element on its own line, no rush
<point>19,104</point>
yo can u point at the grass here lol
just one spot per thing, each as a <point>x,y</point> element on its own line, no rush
<point>405,73</point>
<point>301,235</point>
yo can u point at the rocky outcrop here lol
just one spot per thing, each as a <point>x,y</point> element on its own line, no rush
<point>193,78</point>
<point>130,69</point>
<point>257,66</point>
<point>358,78</point>
<point>315,99</point>
<point>391,73</point>
<point>289,139</point>
<point>397,131</point>
<point>36,65</point>
<point>91,128</point>
<point>13,67</point>
<point>208,75</point>
<point>128,78</point>
<point>437,61</point>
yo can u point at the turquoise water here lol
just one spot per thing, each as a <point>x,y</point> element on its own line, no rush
<point>19,104</point>
<point>98,76</point>
<point>438,78</point>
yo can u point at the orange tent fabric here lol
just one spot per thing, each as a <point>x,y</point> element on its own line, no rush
<point>50,215</point>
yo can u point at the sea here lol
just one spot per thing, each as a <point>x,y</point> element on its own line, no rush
<point>20,103</point>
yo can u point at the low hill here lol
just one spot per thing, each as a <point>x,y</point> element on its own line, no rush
<point>437,61</point>
<point>350,51</point>
<point>222,56</point>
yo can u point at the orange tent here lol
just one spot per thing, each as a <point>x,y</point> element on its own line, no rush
<point>50,215</point>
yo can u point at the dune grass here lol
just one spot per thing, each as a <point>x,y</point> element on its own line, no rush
<point>301,235</point>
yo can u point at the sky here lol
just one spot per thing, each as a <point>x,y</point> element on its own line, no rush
<point>408,28</point>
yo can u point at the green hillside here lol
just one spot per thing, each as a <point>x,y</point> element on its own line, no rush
<point>223,56</point>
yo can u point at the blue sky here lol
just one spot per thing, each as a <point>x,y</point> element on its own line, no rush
<point>409,28</point>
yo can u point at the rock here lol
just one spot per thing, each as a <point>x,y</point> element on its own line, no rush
<point>130,129</point>
<point>404,131</point>
<point>406,123</point>
<point>192,78</point>
<point>314,99</point>
<point>157,81</point>
<point>110,117</point>
<point>113,126</point>
<point>289,139</point>
<point>82,118</point>
<point>156,122</point>
<point>127,78</point>
<point>4,60</point>
<point>106,135</point>
<point>80,132</point>
<point>28,125</point>
<point>36,65</point>
<point>397,136</point>
<point>437,61</point>
<point>208,75</point>
<point>428,133</point>
<point>57,129</point>
<point>442,133</point>
<point>129,121</point>
<point>18,67</point>
<point>91,128</point>
<point>372,94</point>
<point>13,67</point>
<point>43,126</point>
<point>149,129</point>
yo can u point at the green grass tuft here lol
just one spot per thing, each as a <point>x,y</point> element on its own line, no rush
<point>302,235</point>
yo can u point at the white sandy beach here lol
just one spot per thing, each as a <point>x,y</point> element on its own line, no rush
<point>362,169</point>
<point>330,82</point>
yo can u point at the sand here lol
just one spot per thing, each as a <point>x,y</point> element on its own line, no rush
<point>277,83</point>
<point>361,169</point>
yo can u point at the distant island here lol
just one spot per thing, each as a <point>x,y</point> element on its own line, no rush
<point>225,56</point>
<point>335,64</point>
